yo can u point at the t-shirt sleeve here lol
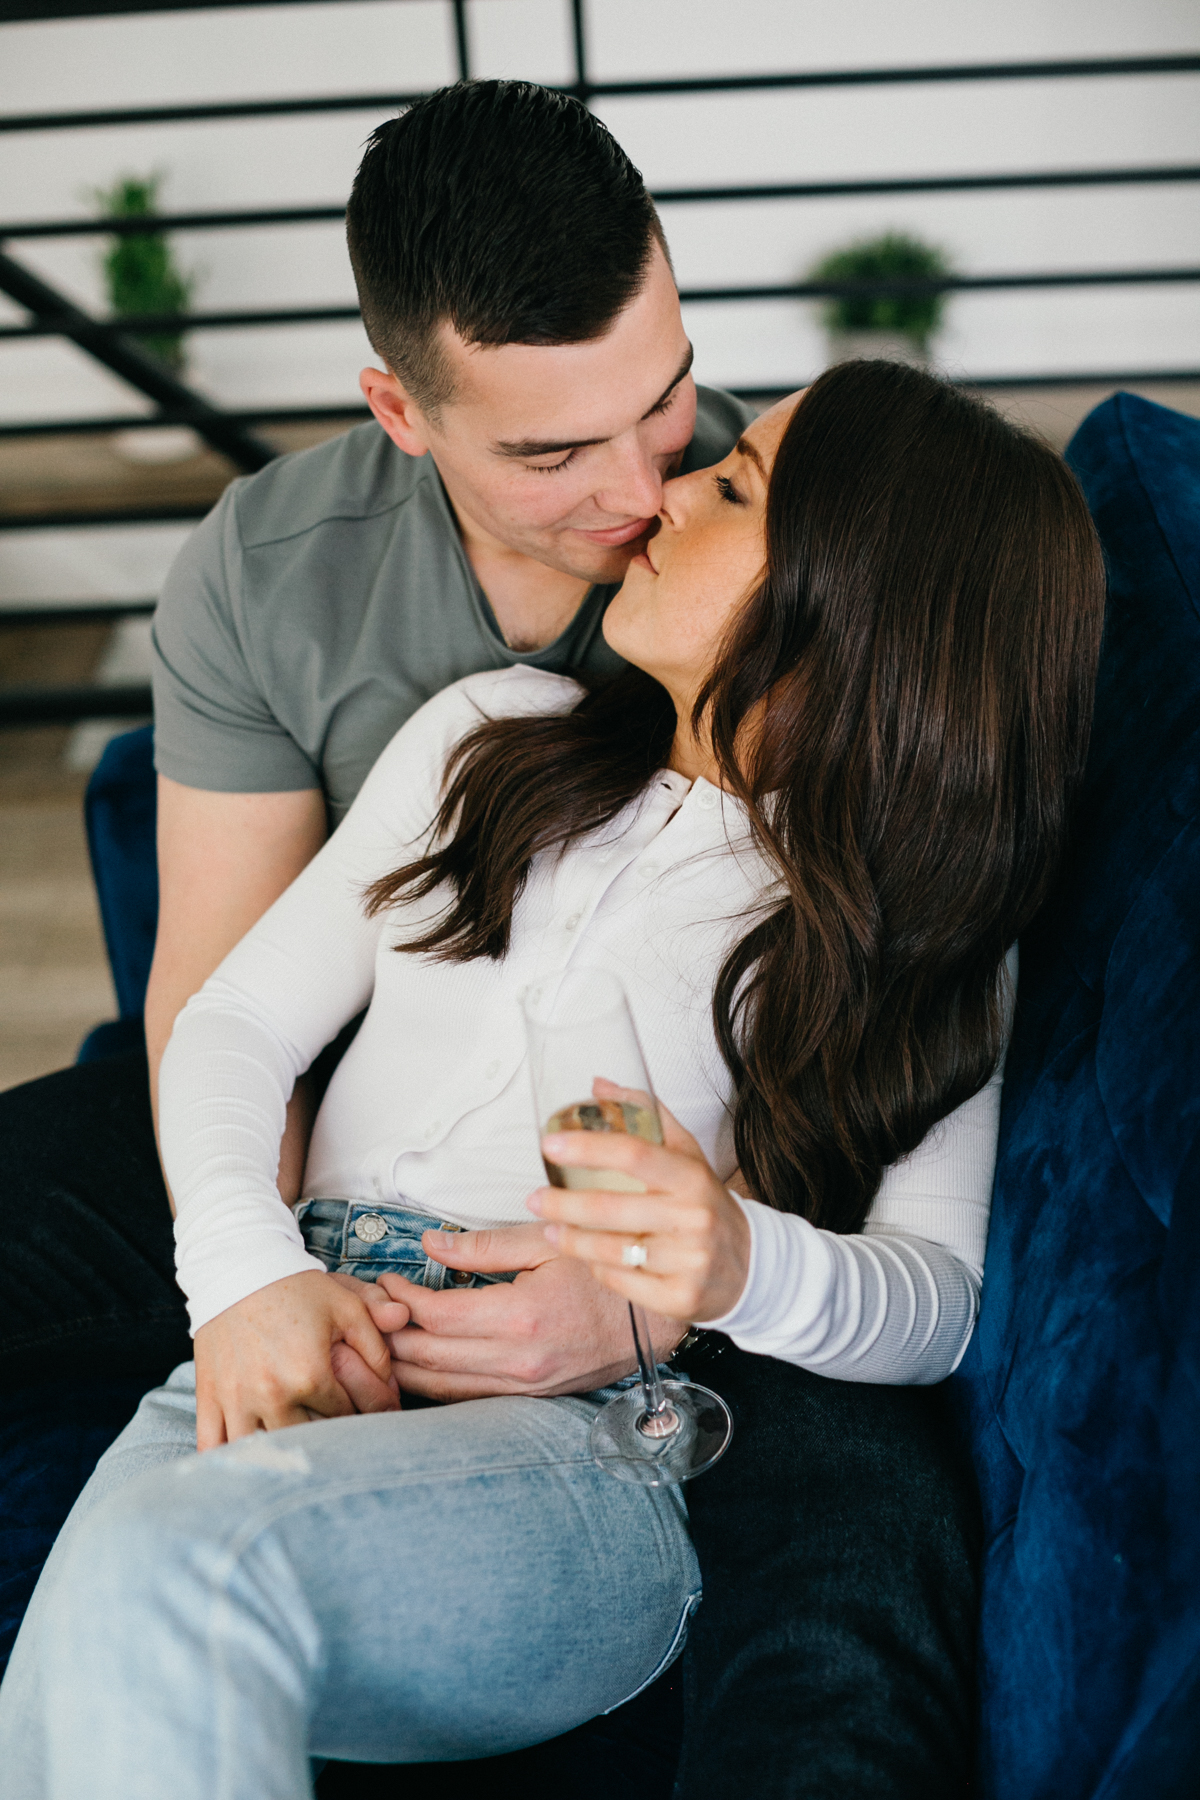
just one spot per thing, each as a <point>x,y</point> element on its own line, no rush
<point>213,724</point>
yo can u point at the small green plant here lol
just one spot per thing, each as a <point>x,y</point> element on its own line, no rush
<point>139,269</point>
<point>893,257</point>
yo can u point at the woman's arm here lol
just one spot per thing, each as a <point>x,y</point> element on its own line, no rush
<point>304,970</point>
<point>896,1304</point>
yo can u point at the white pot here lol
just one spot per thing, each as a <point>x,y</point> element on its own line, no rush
<point>157,444</point>
<point>886,346</point>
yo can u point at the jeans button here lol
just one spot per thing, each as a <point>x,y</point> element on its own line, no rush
<point>461,1277</point>
<point>369,1228</point>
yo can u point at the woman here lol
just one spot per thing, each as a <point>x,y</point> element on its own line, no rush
<point>806,828</point>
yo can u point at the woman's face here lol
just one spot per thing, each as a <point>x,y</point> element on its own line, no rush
<point>706,557</point>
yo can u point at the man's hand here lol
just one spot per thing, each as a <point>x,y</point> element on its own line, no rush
<point>554,1330</point>
<point>270,1360</point>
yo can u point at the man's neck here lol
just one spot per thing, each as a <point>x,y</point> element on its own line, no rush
<point>532,604</point>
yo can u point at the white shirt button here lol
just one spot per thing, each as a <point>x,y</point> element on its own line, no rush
<point>493,1068</point>
<point>573,921</point>
<point>707,799</point>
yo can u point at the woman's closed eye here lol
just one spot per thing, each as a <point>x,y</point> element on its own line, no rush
<point>728,492</point>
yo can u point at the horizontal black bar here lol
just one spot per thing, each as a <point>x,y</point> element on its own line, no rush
<point>788,190</point>
<point>803,290</point>
<point>218,109</point>
<point>884,290</point>
<point>932,184</point>
<point>144,224</point>
<point>281,415</point>
<point>91,9</point>
<point>1184,64</point>
<point>177,514</point>
<point>137,323</point>
<point>1015,383</point>
<point>73,613</point>
<point>1103,378</point>
<point>68,705</point>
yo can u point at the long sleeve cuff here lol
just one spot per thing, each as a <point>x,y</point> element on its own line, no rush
<point>885,1307</point>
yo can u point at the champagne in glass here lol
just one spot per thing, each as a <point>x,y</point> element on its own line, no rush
<point>581,1036</point>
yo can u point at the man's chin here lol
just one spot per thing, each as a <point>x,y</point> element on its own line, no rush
<point>603,567</point>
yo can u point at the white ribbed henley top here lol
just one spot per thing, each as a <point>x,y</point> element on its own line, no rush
<point>431,1108</point>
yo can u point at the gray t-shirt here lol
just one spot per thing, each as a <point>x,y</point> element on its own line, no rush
<point>325,599</point>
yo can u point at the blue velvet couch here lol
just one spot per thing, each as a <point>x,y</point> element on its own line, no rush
<point>1081,1389</point>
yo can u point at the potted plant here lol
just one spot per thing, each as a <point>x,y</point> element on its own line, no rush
<point>896,326</point>
<point>141,276</point>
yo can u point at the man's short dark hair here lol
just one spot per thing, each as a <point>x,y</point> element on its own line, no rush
<point>504,208</point>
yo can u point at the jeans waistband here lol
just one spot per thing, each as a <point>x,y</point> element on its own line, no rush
<point>369,1239</point>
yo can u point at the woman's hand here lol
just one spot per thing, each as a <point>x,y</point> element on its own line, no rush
<point>309,1346</point>
<point>694,1234</point>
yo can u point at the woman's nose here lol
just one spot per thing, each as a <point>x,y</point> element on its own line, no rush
<point>673,506</point>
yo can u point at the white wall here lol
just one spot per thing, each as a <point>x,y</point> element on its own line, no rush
<point>821,134</point>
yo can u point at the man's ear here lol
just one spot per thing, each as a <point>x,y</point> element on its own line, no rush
<point>396,410</point>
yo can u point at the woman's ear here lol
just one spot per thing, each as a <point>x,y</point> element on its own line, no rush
<point>396,410</point>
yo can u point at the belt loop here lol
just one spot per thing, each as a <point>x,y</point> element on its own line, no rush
<point>436,1273</point>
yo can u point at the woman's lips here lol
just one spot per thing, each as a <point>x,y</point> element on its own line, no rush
<point>620,534</point>
<point>642,561</point>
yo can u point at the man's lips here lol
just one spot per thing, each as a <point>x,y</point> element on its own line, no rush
<point>620,534</point>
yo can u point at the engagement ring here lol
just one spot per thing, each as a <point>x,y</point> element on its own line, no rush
<point>634,1256</point>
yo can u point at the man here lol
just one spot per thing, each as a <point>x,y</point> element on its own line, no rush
<point>536,394</point>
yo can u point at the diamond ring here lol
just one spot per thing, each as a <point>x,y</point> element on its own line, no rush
<point>635,1256</point>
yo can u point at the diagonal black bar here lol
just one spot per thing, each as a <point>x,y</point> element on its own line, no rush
<point>1187,63</point>
<point>133,364</point>
<point>67,705</point>
<point>793,190</point>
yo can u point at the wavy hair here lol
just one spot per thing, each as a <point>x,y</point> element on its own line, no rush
<point>903,706</point>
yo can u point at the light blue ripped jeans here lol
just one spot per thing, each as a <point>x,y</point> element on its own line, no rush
<point>429,1585</point>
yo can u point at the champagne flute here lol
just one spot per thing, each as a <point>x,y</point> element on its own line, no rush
<point>581,1036</point>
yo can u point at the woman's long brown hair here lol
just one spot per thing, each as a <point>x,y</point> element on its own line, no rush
<point>903,705</point>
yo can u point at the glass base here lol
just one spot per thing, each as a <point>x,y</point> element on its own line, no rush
<point>685,1439</point>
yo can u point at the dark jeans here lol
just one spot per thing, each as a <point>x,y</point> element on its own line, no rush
<point>838,1538</point>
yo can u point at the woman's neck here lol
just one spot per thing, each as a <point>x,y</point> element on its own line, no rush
<point>692,756</point>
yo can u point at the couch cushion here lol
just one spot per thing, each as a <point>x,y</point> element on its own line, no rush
<point>1083,1380</point>
<point>120,813</point>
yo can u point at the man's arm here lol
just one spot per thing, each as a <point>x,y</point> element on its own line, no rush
<point>222,860</point>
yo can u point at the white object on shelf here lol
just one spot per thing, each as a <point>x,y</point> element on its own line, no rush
<point>156,444</point>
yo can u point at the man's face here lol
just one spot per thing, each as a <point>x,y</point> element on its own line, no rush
<point>560,452</point>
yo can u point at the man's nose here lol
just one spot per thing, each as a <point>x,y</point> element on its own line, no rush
<point>633,485</point>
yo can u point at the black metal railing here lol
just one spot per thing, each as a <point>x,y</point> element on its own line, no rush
<point>230,431</point>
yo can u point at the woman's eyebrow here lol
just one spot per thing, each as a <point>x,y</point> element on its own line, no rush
<point>745,448</point>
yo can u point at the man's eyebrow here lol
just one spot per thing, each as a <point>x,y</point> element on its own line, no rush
<point>745,448</point>
<point>521,448</point>
<point>684,369</point>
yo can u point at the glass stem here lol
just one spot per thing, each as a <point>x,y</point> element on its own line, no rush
<point>652,1391</point>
